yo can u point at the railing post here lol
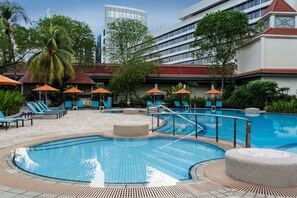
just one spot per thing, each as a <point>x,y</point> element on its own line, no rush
<point>152,123</point>
<point>196,122</point>
<point>173,124</point>
<point>158,117</point>
<point>248,135</point>
<point>234,134</point>
<point>217,128</point>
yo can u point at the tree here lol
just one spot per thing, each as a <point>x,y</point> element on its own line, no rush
<point>128,42</point>
<point>53,62</point>
<point>218,36</point>
<point>10,14</point>
<point>83,40</point>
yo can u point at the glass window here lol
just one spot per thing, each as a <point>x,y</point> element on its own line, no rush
<point>284,22</point>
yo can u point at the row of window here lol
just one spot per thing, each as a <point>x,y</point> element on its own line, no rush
<point>178,57</point>
<point>203,61</point>
<point>176,32</point>
<point>170,51</point>
<point>256,14</point>
<point>243,6</point>
<point>177,40</point>
<point>239,7</point>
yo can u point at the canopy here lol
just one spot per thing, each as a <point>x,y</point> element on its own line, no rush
<point>154,91</point>
<point>101,91</point>
<point>45,88</point>
<point>182,91</point>
<point>73,90</point>
<point>213,91</point>
<point>7,81</point>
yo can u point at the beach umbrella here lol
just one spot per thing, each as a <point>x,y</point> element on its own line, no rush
<point>45,88</point>
<point>213,92</point>
<point>7,81</point>
<point>182,92</point>
<point>72,91</point>
<point>154,92</point>
<point>101,91</point>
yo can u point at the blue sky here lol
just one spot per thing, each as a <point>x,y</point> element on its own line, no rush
<point>160,12</point>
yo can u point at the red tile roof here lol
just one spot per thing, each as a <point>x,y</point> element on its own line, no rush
<point>267,71</point>
<point>81,78</point>
<point>26,79</point>
<point>281,31</point>
<point>279,6</point>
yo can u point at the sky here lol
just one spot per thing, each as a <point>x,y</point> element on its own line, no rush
<point>161,13</point>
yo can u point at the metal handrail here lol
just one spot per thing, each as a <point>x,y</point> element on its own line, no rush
<point>178,114</point>
<point>247,132</point>
<point>104,104</point>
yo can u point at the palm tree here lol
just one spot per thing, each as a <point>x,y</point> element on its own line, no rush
<point>54,60</point>
<point>10,14</point>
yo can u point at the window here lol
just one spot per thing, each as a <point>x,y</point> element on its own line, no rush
<point>284,22</point>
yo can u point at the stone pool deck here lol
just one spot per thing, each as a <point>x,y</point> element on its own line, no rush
<point>16,183</point>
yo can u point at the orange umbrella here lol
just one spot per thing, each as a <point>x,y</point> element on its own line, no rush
<point>101,91</point>
<point>182,91</point>
<point>213,91</point>
<point>45,88</point>
<point>73,91</point>
<point>154,92</point>
<point>7,81</point>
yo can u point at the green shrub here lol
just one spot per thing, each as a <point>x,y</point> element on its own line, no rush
<point>11,102</point>
<point>282,107</point>
<point>256,93</point>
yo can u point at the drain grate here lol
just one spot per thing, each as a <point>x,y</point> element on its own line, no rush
<point>129,192</point>
<point>216,172</point>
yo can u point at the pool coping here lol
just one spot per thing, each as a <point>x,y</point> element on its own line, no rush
<point>13,177</point>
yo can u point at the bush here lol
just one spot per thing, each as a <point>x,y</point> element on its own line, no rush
<point>11,102</point>
<point>256,93</point>
<point>282,107</point>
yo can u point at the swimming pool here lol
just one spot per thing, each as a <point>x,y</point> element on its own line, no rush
<point>277,131</point>
<point>99,160</point>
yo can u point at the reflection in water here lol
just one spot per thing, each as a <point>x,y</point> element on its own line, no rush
<point>96,173</point>
<point>159,178</point>
<point>21,156</point>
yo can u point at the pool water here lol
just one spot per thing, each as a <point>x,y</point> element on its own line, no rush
<point>99,160</point>
<point>277,131</point>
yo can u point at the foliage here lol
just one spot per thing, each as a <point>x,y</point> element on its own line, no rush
<point>218,36</point>
<point>11,102</point>
<point>282,107</point>
<point>254,94</point>
<point>128,41</point>
<point>54,61</point>
<point>80,33</point>
<point>15,41</point>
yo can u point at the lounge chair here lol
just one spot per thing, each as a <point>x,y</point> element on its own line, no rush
<point>149,103</point>
<point>208,103</point>
<point>158,103</point>
<point>7,121</point>
<point>45,107</point>
<point>186,104</point>
<point>41,108</point>
<point>79,104</point>
<point>219,104</point>
<point>177,104</point>
<point>68,104</point>
<point>35,112</point>
<point>95,104</point>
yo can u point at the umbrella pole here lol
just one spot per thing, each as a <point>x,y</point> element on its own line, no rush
<point>46,98</point>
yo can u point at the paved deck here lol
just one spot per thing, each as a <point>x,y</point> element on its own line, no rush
<point>16,183</point>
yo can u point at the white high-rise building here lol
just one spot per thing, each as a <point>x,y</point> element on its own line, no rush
<point>113,13</point>
<point>174,43</point>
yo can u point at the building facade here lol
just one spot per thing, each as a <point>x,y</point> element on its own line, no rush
<point>174,43</point>
<point>113,13</point>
